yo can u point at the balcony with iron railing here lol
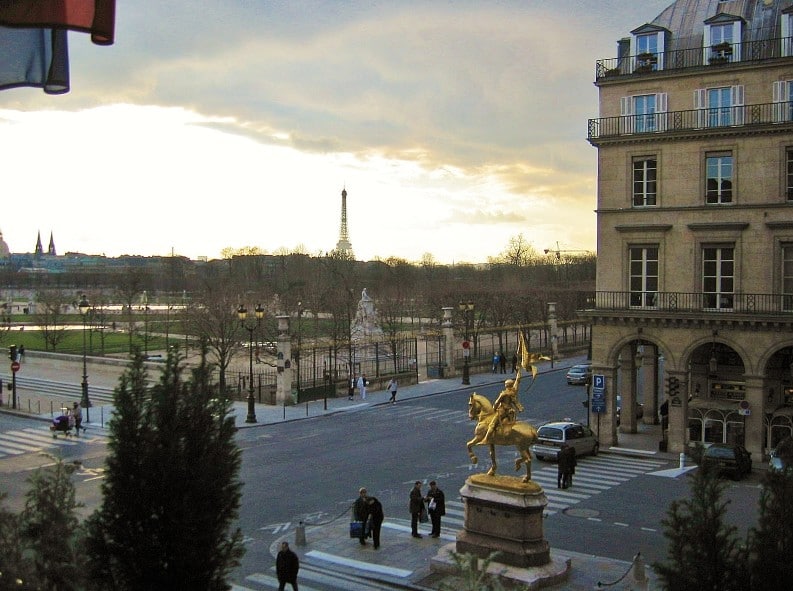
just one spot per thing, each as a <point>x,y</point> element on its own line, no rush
<point>692,303</point>
<point>696,57</point>
<point>721,118</point>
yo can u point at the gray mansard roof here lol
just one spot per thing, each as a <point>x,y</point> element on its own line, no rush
<point>685,19</point>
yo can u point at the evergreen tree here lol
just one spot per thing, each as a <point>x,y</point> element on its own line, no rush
<point>704,553</point>
<point>14,572</point>
<point>771,543</point>
<point>171,489</point>
<point>48,530</point>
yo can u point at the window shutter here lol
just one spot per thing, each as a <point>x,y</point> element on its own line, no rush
<point>736,99</point>
<point>661,50</point>
<point>626,112</point>
<point>700,104</point>
<point>779,93</point>
<point>660,108</point>
<point>785,35</point>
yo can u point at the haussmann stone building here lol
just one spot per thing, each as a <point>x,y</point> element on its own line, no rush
<point>694,306</point>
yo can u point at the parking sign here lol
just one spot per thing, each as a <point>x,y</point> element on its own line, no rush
<point>599,381</point>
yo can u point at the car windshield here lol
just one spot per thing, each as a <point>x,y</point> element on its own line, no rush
<point>577,370</point>
<point>554,433</point>
<point>719,452</point>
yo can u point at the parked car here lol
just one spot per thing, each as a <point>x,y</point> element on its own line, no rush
<point>732,460</point>
<point>579,374</point>
<point>639,409</point>
<point>781,456</point>
<point>551,437</point>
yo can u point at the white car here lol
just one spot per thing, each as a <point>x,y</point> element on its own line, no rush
<point>551,437</point>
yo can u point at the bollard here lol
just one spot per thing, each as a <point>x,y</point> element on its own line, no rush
<point>300,534</point>
<point>682,460</point>
<point>638,569</point>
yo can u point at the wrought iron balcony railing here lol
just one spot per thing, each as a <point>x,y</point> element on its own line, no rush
<point>696,57</point>
<point>695,119</point>
<point>720,303</point>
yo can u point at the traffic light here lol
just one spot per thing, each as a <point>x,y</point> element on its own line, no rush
<point>12,352</point>
<point>672,385</point>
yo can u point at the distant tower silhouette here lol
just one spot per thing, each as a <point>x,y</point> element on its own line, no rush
<point>51,248</point>
<point>39,248</point>
<point>343,246</point>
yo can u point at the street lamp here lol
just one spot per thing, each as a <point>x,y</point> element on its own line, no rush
<point>299,343</point>
<point>467,310</point>
<point>145,301</point>
<point>242,314</point>
<point>85,402</point>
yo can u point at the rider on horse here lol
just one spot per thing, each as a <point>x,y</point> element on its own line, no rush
<point>506,407</point>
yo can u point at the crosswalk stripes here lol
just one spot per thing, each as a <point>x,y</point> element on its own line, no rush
<point>32,440</point>
<point>593,476</point>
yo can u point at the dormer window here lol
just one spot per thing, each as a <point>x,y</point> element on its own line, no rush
<point>722,39</point>
<point>647,48</point>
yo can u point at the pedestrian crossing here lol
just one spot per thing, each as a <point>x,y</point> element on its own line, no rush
<point>319,571</point>
<point>37,439</point>
<point>436,415</point>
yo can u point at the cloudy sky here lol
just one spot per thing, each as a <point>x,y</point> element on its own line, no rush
<point>453,125</point>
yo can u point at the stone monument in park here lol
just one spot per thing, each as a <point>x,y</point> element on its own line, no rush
<point>504,514</point>
<point>366,324</point>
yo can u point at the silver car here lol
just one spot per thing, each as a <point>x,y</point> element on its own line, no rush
<point>551,437</point>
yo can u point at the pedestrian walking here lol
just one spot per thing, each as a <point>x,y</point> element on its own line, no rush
<point>416,509</point>
<point>392,387</point>
<point>21,352</point>
<point>362,386</point>
<point>376,517</point>
<point>514,362</point>
<point>286,566</point>
<point>502,362</point>
<point>77,415</point>
<point>360,512</point>
<point>351,391</point>
<point>436,506</point>
<point>495,362</point>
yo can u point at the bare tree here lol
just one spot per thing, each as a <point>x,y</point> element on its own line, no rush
<point>50,316</point>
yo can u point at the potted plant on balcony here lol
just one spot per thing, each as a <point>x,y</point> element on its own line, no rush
<point>720,53</point>
<point>646,62</point>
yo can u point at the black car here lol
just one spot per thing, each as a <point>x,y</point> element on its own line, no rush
<point>732,460</point>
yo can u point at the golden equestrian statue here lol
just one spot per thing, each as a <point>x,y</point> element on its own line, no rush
<point>497,424</point>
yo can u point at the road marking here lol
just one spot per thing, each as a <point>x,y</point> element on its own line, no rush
<point>360,565</point>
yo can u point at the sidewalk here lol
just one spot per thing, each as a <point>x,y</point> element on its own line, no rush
<point>403,561</point>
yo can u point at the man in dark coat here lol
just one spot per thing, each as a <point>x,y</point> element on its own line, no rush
<point>416,507</point>
<point>562,460</point>
<point>286,566</point>
<point>375,510</point>
<point>436,505</point>
<point>360,511</point>
<point>567,464</point>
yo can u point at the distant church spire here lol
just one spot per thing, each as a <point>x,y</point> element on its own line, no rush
<point>51,248</point>
<point>343,246</point>
<point>39,248</point>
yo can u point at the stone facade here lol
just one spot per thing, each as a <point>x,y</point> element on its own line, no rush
<point>695,227</point>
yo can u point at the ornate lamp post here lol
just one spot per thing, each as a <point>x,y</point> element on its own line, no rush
<point>467,310</point>
<point>242,314</point>
<point>145,302</point>
<point>85,402</point>
<point>299,343</point>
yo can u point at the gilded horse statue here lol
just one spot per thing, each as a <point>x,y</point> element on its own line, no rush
<point>517,433</point>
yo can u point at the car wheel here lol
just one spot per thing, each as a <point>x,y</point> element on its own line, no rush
<point>541,458</point>
<point>596,449</point>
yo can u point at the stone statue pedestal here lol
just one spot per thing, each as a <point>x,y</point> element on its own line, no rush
<point>503,514</point>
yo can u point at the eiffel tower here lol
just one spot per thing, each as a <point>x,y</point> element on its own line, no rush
<point>343,246</point>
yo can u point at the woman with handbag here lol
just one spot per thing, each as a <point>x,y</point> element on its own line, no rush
<point>360,511</point>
